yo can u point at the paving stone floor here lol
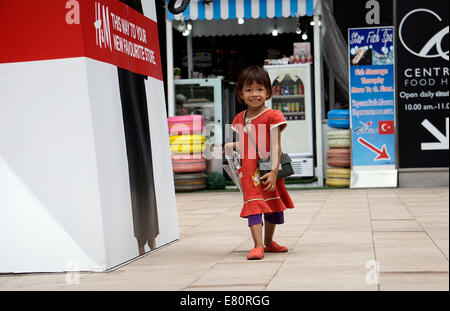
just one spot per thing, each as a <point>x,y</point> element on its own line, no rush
<point>341,239</point>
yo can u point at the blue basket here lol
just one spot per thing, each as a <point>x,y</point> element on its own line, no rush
<point>339,118</point>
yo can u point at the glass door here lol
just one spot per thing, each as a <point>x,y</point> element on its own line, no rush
<point>201,97</point>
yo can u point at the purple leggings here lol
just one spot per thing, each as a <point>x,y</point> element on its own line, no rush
<point>276,218</point>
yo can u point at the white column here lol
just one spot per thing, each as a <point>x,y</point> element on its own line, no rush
<point>318,92</point>
<point>169,56</point>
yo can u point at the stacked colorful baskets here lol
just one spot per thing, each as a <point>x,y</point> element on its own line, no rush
<point>338,156</point>
<point>187,145</point>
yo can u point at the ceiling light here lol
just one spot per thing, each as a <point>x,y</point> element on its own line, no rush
<point>304,36</point>
<point>275,30</point>
<point>298,31</point>
<point>189,26</point>
<point>240,21</point>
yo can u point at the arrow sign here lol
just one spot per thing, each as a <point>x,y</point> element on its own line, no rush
<point>443,140</point>
<point>382,154</point>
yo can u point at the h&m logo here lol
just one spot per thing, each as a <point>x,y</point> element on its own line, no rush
<point>101,23</point>
<point>102,26</point>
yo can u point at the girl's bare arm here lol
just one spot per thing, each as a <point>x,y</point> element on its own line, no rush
<point>229,147</point>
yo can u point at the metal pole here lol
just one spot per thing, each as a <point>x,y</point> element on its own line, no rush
<point>189,56</point>
<point>169,54</point>
<point>318,88</point>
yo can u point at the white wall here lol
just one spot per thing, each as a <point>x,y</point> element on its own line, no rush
<point>112,162</point>
<point>49,189</point>
<point>65,202</point>
<point>162,164</point>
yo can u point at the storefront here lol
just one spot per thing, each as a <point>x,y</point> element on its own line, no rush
<point>255,17</point>
<point>422,158</point>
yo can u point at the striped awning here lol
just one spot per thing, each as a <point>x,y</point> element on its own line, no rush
<point>232,9</point>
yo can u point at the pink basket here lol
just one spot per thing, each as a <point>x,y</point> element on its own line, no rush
<point>186,125</point>
<point>188,163</point>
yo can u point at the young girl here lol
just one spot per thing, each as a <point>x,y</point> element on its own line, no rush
<point>262,194</point>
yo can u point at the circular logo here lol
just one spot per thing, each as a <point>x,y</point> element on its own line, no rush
<point>434,41</point>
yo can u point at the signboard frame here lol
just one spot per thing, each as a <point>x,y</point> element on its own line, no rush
<point>422,133</point>
<point>371,52</point>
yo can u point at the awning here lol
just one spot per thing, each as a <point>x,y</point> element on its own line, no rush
<point>232,9</point>
<point>230,27</point>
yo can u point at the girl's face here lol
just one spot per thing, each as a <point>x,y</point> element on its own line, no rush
<point>254,95</point>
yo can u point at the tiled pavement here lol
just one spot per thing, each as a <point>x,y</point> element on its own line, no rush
<point>341,239</point>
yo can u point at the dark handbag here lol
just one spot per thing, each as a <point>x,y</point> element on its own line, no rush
<point>265,165</point>
<point>285,170</point>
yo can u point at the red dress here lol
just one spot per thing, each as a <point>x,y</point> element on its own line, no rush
<point>256,199</point>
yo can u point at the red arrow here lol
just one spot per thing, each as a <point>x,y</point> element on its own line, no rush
<point>382,154</point>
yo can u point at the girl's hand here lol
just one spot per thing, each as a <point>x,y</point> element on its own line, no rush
<point>229,147</point>
<point>270,181</point>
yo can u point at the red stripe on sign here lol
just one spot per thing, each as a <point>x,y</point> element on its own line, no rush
<point>36,30</point>
<point>107,31</point>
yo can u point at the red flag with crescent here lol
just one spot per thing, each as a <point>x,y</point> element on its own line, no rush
<point>386,127</point>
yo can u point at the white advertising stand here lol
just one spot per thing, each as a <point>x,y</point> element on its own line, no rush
<point>65,198</point>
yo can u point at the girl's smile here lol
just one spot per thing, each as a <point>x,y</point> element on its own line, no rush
<point>254,95</point>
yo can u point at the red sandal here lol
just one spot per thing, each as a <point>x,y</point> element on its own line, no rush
<point>256,253</point>
<point>273,247</point>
